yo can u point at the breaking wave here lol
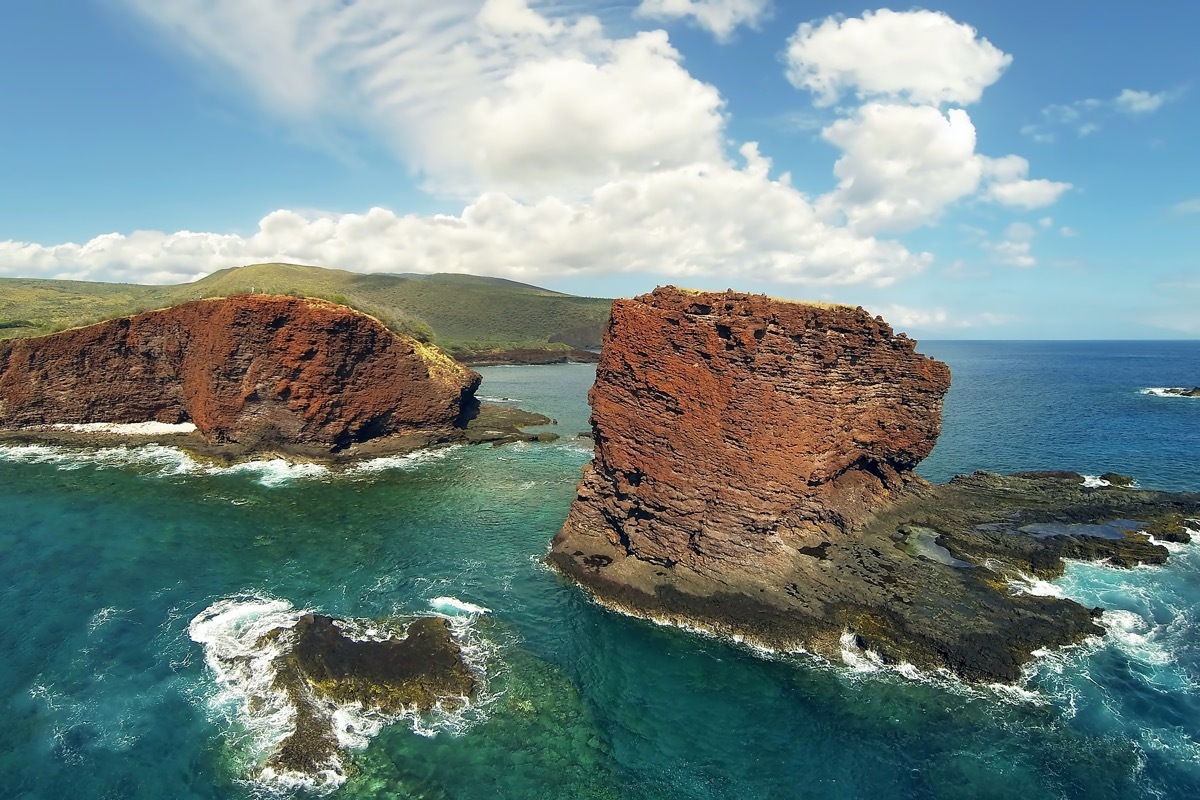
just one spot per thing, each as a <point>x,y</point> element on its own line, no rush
<point>162,461</point>
<point>127,428</point>
<point>1167,391</point>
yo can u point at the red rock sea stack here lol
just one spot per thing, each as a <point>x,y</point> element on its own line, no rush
<point>731,428</point>
<point>287,369</point>
<point>753,477</point>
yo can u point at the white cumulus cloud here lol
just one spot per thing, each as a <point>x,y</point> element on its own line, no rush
<point>565,120</point>
<point>1009,185</point>
<point>922,57</point>
<point>1132,101</point>
<point>1016,248</point>
<point>720,17</point>
<point>574,152</point>
<point>471,94</point>
<point>901,165</point>
<point>699,220</point>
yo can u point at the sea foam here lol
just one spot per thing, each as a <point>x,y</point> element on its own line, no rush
<point>162,461</point>
<point>452,605</point>
<point>127,428</point>
<point>1167,391</point>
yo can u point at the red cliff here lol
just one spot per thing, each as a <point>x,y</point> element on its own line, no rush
<point>753,476</point>
<point>731,426</point>
<point>250,367</point>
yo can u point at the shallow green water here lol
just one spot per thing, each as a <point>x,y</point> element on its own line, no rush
<point>103,566</point>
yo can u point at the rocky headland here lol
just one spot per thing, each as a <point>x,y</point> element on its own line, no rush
<point>254,374</point>
<point>528,357</point>
<point>753,476</point>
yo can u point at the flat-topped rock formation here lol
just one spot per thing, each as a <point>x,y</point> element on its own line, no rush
<point>753,475</point>
<point>243,369</point>
<point>715,415</point>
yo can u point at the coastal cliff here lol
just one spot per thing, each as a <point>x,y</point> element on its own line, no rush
<point>753,476</point>
<point>715,413</point>
<point>243,369</point>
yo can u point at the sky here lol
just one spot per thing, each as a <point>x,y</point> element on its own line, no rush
<point>1016,170</point>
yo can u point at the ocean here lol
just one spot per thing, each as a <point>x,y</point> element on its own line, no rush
<point>134,582</point>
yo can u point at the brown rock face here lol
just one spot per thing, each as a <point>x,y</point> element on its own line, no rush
<point>243,368</point>
<point>752,477</point>
<point>729,423</point>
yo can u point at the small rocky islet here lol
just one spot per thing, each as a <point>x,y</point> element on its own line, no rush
<point>324,668</point>
<point>753,476</point>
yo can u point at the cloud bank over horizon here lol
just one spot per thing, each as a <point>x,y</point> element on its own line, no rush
<point>576,151</point>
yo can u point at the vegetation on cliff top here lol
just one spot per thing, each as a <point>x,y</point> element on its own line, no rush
<point>460,313</point>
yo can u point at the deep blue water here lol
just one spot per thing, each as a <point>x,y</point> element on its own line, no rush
<point>104,563</point>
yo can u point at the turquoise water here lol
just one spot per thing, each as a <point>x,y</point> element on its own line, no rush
<point>104,563</point>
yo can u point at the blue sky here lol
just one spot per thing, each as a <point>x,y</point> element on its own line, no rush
<point>969,170</point>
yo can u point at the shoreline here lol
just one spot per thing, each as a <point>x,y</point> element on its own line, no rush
<point>494,424</point>
<point>526,357</point>
<point>904,603</point>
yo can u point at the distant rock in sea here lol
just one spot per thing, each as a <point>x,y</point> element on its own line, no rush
<point>308,687</point>
<point>753,477</point>
<point>248,369</point>
<point>1174,391</point>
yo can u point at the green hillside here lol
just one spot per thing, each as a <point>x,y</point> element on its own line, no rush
<point>461,313</point>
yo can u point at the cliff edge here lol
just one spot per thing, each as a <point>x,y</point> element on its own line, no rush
<point>250,368</point>
<point>753,476</point>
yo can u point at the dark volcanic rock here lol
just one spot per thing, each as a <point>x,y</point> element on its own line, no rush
<point>423,668</point>
<point>243,369</point>
<point>752,475</point>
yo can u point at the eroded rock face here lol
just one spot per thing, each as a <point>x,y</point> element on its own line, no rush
<point>241,368</point>
<point>731,427</point>
<point>752,476</point>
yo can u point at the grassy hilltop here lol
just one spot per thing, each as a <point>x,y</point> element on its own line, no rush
<point>465,314</point>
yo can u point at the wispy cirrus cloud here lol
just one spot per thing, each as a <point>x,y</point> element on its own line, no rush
<point>719,17</point>
<point>937,318</point>
<point>1085,117</point>
<point>1186,207</point>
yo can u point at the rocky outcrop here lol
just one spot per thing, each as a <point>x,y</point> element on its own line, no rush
<point>732,427</point>
<point>753,476</point>
<point>417,670</point>
<point>243,369</point>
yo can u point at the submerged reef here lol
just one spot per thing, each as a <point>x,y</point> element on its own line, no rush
<point>753,476</point>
